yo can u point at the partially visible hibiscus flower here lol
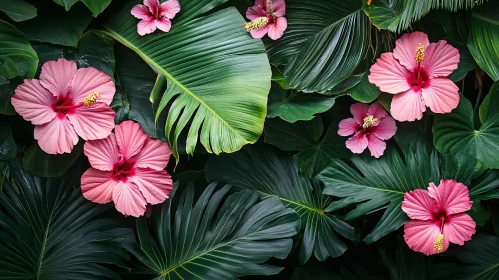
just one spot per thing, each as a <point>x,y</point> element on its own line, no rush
<point>155,15</point>
<point>370,125</point>
<point>266,19</point>
<point>416,72</point>
<point>127,168</point>
<point>66,102</point>
<point>438,217</point>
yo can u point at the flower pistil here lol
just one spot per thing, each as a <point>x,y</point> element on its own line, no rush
<point>369,121</point>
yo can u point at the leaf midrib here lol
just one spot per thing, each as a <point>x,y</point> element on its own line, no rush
<point>169,76</point>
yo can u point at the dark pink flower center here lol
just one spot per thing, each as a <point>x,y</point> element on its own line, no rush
<point>440,217</point>
<point>63,105</point>
<point>123,170</point>
<point>418,79</point>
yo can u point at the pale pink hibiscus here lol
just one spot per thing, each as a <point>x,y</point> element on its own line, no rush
<point>416,72</point>
<point>267,17</point>
<point>155,15</point>
<point>370,127</point>
<point>438,217</point>
<point>65,103</point>
<point>127,168</point>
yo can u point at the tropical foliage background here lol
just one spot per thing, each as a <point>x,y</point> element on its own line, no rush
<point>264,186</point>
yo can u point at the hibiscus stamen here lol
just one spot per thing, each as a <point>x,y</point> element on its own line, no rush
<point>439,243</point>
<point>419,54</point>
<point>256,24</point>
<point>369,121</point>
<point>91,99</point>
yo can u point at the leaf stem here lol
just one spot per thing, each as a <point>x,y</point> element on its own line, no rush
<point>478,98</point>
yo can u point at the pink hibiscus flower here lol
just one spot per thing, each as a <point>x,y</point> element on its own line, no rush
<point>438,217</point>
<point>127,168</point>
<point>66,102</point>
<point>370,126</point>
<point>267,17</point>
<point>416,73</point>
<point>154,15</point>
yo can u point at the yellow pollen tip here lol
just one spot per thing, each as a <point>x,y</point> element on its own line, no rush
<point>439,243</point>
<point>369,121</point>
<point>419,54</point>
<point>91,99</point>
<point>368,2</point>
<point>257,23</point>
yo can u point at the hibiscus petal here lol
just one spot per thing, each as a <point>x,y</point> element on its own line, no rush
<point>146,26</point>
<point>459,229</point>
<point>102,154</point>
<point>377,110</point>
<point>359,111</point>
<point>376,146</point>
<point>357,143</point>
<point>405,48</point>
<point>57,136</point>
<point>154,154</point>
<point>389,75</point>
<point>32,101</point>
<point>97,186</point>
<point>130,138</point>
<point>128,200</point>
<point>141,12</point>
<point>93,122</point>
<point>56,76</point>
<point>153,6</point>
<point>88,80</point>
<point>452,196</point>
<point>164,24</point>
<point>421,236</point>
<point>153,184</point>
<point>440,59</point>
<point>442,96</point>
<point>347,127</point>
<point>385,129</point>
<point>255,12</point>
<point>418,204</point>
<point>407,106</point>
<point>279,8</point>
<point>277,28</point>
<point>169,9</point>
<point>258,34</point>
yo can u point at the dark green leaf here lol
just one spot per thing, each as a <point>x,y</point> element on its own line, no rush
<point>199,242</point>
<point>56,26</point>
<point>484,38</point>
<point>50,231</point>
<point>8,147</point>
<point>455,132</point>
<point>96,6</point>
<point>274,175</point>
<point>17,57</point>
<point>224,98</point>
<point>18,10</point>
<point>6,92</point>
<point>292,106</point>
<point>481,258</point>
<point>96,50</point>
<point>466,63</point>
<point>37,162</point>
<point>364,91</point>
<point>293,137</point>
<point>317,48</point>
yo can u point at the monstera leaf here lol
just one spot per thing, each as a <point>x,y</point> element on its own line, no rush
<point>50,231</point>
<point>217,76</point>
<point>197,241</point>
<point>273,175</point>
<point>316,52</point>
<point>455,132</point>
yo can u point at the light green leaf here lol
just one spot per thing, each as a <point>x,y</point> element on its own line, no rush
<point>275,175</point>
<point>18,10</point>
<point>17,57</point>
<point>455,132</point>
<point>484,38</point>
<point>218,77</point>
<point>194,240</point>
<point>293,106</point>
<point>50,231</point>
<point>316,50</point>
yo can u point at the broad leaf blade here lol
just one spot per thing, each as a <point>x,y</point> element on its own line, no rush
<point>18,10</point>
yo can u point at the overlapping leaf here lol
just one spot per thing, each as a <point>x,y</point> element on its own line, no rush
<point>218,77</point>
<point>274,175</point>
<point>481,258</point>
<point>197,241</point>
